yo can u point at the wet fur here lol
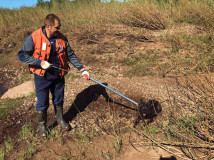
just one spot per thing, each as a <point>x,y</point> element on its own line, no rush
<point>147,111</point>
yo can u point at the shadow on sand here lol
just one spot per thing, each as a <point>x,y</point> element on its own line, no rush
<point>91,94</point>
<point>82,100</point>
<point>2,90</point>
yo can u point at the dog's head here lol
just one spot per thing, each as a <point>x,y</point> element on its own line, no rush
<point>152,107</point>
<point>142,107</point>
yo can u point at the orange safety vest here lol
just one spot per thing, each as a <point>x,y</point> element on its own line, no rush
<point>42,49</point>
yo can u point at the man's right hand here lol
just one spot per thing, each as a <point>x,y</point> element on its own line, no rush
<point>45,65</point>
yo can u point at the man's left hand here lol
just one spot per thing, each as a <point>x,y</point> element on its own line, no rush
<point>85,74</point>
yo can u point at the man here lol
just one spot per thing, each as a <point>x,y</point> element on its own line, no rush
<point>47,51</point>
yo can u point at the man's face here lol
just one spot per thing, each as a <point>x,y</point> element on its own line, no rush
<point>54,30</point>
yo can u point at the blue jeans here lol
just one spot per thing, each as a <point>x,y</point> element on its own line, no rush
<point>43,86</point>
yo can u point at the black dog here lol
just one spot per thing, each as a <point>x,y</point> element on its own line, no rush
<point>148,111</point>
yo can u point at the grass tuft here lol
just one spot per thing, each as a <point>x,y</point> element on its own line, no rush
<point>7,105</point>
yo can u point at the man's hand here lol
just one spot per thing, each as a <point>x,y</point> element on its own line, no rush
<point>45,65</point>
<point>85,74</point>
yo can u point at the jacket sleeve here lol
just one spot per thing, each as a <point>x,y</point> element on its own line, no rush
<point>26,52</point>
<point>73,58</point>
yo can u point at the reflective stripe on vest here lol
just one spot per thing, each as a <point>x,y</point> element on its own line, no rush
<point>42,49</point>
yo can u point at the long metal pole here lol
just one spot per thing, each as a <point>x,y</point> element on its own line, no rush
<point>114,91</point>
<point>104,86</point>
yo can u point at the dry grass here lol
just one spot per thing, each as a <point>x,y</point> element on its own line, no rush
<point>186,129</point>
<point>196,12</point>
<point>94,17</point>
<point>149,14</point>
<point>186,55</point>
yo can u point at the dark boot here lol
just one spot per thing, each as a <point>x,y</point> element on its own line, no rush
<point>59,116</point>
<point>42,119</point>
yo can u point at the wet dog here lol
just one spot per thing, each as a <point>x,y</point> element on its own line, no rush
<point>147,111</point>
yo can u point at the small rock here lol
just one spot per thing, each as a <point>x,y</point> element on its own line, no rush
<point>24,89</point>
<point>73,125</point>
<point>18,122</point>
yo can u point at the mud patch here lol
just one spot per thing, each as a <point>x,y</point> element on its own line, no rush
<point>12,124</point>
<point>8,79</point>
<point>2,90</point>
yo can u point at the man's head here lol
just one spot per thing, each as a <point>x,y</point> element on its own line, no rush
<point>52,25</point>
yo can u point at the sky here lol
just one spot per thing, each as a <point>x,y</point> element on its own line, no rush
<point>14,4</point>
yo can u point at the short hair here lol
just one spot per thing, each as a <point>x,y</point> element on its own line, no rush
<point>50,19</point>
